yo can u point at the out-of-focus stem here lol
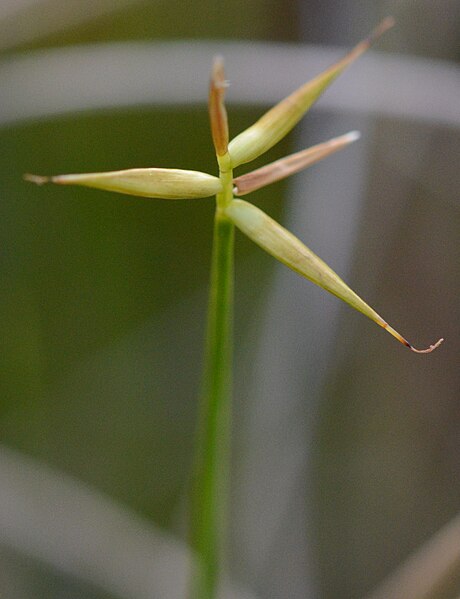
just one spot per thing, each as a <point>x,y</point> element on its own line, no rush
<point>431,572</point>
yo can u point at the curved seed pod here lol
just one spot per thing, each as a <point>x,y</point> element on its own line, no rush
<point>278,121</point>
<point>168,183</point>
<point>289,165</point>
<point>289,250</point>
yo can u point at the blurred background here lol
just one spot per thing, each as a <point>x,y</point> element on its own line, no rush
<point>346,445</point>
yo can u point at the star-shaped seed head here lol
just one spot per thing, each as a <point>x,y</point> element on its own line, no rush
<point>250,144</point>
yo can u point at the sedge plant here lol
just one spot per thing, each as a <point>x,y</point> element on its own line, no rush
<point>211,472</point>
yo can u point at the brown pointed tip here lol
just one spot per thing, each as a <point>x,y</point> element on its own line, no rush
<point>428,350</point>
<point>381,28</point>
<point>401,339</point>
<point>218,81</point>
<point>218,73</point>
<point>37,179</point>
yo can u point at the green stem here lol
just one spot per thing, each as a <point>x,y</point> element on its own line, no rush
<point>209,510</point>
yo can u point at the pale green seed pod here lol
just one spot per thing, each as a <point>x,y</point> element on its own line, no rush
<point>277,122</point>
<point>167,183</point>
<point>288,249</point>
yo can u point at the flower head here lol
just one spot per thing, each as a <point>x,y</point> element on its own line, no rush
<point>245,147</point>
